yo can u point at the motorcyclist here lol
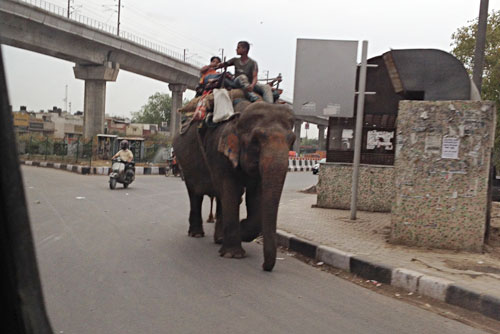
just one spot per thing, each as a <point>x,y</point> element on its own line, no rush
<point>122,169</point>
<point>124,153</point>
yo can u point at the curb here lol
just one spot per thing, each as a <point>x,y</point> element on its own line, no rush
<point>138,170</point>
<point>434,287</point>
<point>86,170</point>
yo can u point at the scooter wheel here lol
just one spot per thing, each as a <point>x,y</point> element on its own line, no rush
<point>112,183</point>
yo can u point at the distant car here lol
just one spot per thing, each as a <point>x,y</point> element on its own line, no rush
<point>315,168</point>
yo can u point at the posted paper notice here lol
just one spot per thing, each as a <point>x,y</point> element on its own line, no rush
<point>450,148</point>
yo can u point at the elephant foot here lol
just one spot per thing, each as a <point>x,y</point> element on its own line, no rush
<point>249,231</point>
<point>232,252</point>
<point>218,240</point>
<point>196,233</point>
<point>211,219</point>
<point>268,266</point>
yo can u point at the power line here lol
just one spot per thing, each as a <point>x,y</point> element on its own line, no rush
<point>140,12</point>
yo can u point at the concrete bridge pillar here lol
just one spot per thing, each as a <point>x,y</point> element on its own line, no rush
<point>175,119</point>
<point>296,129</point>
<point>94,105</point>
<point>321,137</point>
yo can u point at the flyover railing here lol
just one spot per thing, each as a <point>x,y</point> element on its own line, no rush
<point>61,11</point>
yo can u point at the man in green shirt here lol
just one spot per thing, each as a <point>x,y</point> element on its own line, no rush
<point>246,70</point>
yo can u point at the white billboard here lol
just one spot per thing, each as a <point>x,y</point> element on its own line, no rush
<point>325,77</point>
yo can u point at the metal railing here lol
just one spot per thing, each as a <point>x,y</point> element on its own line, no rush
<point>61,11</point>
<point>88,152</point>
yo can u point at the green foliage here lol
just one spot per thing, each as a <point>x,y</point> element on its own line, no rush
<point>160,138</point>
<point>157,110</point>
<point>309,141</point>
<point>464,42</point>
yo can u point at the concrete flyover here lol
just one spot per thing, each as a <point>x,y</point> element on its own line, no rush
<point>94,51</point>
<point>322,124</point>
<point>320,121</point>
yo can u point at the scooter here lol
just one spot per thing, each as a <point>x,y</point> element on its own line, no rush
<point>121,172</point>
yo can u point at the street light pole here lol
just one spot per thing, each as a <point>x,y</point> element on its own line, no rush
<point>477,72</point>
<point>118,26</point>
<point>358,130</point>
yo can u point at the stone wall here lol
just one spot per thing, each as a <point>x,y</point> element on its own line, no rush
<point>441,173</point>
<point>375,187</point>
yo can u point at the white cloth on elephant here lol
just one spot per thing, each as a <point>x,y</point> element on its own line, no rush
<point>223,105</point>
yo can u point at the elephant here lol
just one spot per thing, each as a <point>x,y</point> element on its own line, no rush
<point>247,154</point>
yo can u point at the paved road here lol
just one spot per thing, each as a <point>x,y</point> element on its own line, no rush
<point>121,262</point>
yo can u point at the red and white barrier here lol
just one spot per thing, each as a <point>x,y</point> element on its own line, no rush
<point>301,164</point>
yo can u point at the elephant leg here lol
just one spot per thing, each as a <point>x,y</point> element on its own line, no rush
<point>195,220</point>
<point>211,218</point>
<point>251,227</point>
<point>219,228</point>
<point>231,245</point>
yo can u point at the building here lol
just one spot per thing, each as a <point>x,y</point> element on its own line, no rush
<point>141,130</point>
<point>54,123</point>
<point>123,127</point>
<point>116,125</point>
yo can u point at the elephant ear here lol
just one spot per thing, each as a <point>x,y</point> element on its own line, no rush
<point>229,145</point>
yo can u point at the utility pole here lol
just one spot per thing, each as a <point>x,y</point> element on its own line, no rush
<point>222,54</point>
<point>69,7</point>
<point>118,26</point>
<point>477,72</point>
<point>66,98</point>
<point>185,50</point>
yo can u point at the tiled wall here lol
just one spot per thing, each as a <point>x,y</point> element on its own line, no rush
<point>441,173</point>
<point>375,187</point>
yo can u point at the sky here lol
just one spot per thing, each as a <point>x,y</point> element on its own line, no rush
<point>205,28</point>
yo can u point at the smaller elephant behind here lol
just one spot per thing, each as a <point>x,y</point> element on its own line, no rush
<point>245,155</point>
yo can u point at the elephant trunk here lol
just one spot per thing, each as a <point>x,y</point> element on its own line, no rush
<point>273,167</point>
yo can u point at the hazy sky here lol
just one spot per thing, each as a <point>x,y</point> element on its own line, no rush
<point>206,27</point>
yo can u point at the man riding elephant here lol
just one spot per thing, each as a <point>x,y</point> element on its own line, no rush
<point>246,70</point>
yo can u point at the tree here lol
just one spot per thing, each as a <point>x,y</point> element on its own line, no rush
<point>157,110</point>
<point>464,41</point>
<point>309,141</point>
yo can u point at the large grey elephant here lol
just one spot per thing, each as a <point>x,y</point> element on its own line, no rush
<point>247,154</point>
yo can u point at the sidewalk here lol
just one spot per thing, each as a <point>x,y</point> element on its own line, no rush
<point>468,280</point>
